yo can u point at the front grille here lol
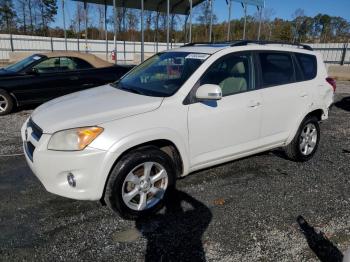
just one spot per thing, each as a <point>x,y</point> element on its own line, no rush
<point>29,147</point>
<point>37,131</point>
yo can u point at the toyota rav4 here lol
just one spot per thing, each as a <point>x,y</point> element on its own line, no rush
<point>179,111</point>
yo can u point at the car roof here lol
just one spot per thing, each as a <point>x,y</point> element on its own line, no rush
<point>205,48</point>
<point>90,58</point>
<point>208,48</point>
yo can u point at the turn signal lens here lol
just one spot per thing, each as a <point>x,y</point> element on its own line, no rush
<point>74,139</point>
<point>87,135</point>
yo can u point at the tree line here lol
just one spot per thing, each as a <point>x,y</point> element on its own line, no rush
<point>36,17</point>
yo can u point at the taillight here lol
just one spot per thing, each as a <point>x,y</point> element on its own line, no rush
<point>332,82</point>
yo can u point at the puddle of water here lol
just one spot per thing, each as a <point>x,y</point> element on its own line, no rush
<point>129,235</point>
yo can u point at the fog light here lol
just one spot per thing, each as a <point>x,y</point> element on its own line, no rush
<point>71,180</point>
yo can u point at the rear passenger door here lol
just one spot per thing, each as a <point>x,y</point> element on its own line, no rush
<point>284,97</point>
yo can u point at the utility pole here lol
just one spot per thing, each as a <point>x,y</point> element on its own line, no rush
<point>245,20</point>
<point>211,20</point>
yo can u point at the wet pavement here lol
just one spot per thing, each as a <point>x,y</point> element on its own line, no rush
<point>244,210</point>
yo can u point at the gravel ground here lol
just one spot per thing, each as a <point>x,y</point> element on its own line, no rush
<point>244,210</point>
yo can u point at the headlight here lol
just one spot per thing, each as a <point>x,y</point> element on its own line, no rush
<point>74,139</point>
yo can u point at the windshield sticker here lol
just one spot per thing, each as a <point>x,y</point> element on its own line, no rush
<point>197,56</point>
<point>36,57</point>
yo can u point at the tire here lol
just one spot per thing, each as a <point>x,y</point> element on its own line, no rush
<point>304,144</point>
<point>6,103</point>
<point>131,167</point>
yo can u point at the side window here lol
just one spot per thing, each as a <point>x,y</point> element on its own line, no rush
<point>276,69</point>
<point>55,64</point>
<point>67,64</point>
<point>308,64</point>
<point>47,66</point>
<point>81,64</point>
<point>233,73</point>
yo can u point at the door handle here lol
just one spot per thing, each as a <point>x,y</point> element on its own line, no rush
<point>303,95</point>
<point>74,78</point>
<point>87,85</point>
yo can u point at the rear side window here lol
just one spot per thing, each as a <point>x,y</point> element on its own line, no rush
<point>81,64</point>
<point>276,68</point>
<point>308,65</point>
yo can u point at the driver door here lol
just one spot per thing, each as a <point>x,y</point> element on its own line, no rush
<point>220,130</point>
<point>50,78</point>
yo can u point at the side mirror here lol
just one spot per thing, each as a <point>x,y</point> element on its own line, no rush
<point>32,71</point>
<point>209,92</point>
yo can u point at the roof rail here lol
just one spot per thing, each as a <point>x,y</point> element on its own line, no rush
<point>206,43</point>
<point>263,42</point>
<point>246,42</point>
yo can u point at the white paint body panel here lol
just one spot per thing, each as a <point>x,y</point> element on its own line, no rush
<point>205,134</point>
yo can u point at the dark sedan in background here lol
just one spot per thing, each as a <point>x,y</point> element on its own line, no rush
<point>41,77</point>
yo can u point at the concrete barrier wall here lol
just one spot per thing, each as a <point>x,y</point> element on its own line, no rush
<point>127,52</point>
<point>341,73</point>
<point>334,53</point>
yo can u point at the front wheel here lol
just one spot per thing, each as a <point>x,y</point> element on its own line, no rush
<point>6,103</point>
<point>140,182</point>
<point>305,142</point>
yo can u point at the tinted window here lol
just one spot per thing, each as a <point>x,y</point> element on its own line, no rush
<point>232,73</point>
<point>48,66</point>
<point>276,68</point>
<point>60,64</point>
<point>81,64</point>
<point>308,65</point>
<point>23,63</point>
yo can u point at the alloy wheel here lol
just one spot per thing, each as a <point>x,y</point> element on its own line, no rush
<point>308,139</point>
<point>3,103</point>
<point>145,186</point>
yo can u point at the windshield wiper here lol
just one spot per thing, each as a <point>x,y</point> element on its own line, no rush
<point>132,90</point>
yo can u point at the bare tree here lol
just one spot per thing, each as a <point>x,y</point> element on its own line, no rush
<point>22,12</point>
<point>101,16</point>
<point>30,15</point>
<point>298,19</point>
<point>266,22</point>
<point>132,22</point>
<point>7,15</point>
<point>205,17</point>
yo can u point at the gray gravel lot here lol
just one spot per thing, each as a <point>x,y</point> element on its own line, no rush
<point>242,211</point>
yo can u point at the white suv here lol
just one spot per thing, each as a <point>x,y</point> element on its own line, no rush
<point>181,110</point>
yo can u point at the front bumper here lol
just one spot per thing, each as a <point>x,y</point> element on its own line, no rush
<point>53,167</point>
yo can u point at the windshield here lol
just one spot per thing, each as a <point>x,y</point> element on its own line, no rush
<point>163,74</point>
<point>23,63</point>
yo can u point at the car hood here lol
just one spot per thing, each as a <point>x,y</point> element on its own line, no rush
<point>4,72</point>
<point>92,107</point>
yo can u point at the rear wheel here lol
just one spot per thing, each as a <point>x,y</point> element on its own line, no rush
<point>140,182</point>
<point>305,142</point>
<point>6,103</point>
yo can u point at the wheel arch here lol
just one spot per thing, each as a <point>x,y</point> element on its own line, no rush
<point>166,145</point>
<point>319,113</point>
<point>11,94</point>
<point>14,98</point>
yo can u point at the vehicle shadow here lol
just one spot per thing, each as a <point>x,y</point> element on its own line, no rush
<point>176,234</point>
<point>324,249</point>
<point>344,104</point>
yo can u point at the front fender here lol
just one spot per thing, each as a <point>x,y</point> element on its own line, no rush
<point>138,138</point>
